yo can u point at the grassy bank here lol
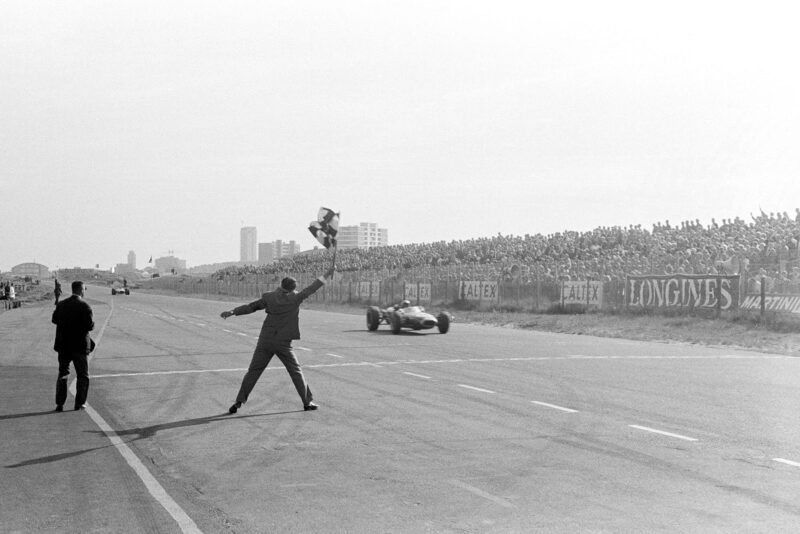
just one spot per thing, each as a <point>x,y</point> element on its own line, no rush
<point>740,333</point>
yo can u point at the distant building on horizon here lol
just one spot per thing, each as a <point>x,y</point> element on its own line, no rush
<point>124,268</point>
<point>132,260</point>
<point>248,244</point>
<point>270,252</point>
<point>364,235</point>
<point>36,270</point>
<point>166,264</point>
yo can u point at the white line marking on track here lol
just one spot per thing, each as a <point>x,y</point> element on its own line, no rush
<point>480,493</point>
<point>663,433</point>
<point>475,389</point>
<point>241,334</point>
<point>186,524</point>
<point>415,374</point>
<point>228,331</point>
<point>158,492</point>
<point>787,462</point>
<point>420,362</point>
<point>334,355</point>
<point>555,407</point>
<point>184,372</point>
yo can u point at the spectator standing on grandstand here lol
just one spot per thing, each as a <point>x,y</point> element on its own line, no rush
<point>279,329</point>
<point>73,319</point>
<point>57,290</point>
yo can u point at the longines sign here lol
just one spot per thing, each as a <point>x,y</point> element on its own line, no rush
<point>682,291</point>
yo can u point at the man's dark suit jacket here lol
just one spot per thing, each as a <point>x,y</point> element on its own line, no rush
<point>283,310</point>
<point>73,319</point>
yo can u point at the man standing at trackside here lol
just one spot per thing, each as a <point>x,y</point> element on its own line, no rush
<point>74,320</point>
<point>57,290</point>
<point>279,329</point>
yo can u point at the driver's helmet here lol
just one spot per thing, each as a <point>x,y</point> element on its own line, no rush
<point>405,304</point>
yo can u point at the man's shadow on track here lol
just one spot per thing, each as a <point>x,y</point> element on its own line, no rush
<point>150,431</point>
<point>20,415</point>
<point>138,433</point>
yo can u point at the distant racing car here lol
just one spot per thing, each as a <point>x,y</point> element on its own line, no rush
<point>120,290</point>
<point>411,317</point>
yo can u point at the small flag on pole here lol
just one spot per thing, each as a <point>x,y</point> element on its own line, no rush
<point>325,228</point>
<point>151,259</point>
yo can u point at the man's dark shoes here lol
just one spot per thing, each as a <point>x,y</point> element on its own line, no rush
<point>59,408</point>
<point>236,406</point>
<point>310,406</point>
<point>80,407</point>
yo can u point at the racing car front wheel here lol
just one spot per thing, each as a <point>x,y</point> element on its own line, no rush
<point>373,318</point>
<point>443,322</point>
<point>397,323</point>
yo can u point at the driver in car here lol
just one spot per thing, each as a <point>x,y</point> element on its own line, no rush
<point>403,304</point>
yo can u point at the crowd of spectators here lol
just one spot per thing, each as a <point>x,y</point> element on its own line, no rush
<point>766,245</point>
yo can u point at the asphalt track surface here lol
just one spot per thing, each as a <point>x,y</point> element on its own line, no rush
<point>483,429</point>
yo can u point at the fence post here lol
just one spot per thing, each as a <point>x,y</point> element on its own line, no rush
<point>719,296</point>
<point>625,294</point>
<point>763,297</point>
<point>588,282</point>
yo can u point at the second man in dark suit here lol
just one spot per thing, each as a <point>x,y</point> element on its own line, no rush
<point>74,320</point>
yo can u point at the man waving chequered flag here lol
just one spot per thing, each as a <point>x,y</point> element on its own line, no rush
<point>325,227</point>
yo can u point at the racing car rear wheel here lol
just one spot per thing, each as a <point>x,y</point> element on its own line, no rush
<point>397,323</point>
<point>373,318</point>
<point>113,291</point>
<point>443,322</point>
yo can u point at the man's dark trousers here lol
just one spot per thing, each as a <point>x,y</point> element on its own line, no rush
<point>264,352</point>
<point>81,363</point>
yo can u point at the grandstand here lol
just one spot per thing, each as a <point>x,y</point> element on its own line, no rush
<point>765,246</point>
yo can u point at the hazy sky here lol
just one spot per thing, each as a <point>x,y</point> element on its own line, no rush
<point>158,126</point>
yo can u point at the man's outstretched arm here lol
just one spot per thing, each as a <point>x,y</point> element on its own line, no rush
<point>244,309</point>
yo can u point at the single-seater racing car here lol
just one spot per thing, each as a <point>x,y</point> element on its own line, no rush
<point>404,315</point>
<point>119,289</point>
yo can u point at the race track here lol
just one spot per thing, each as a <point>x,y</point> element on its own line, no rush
<point>484,429</point>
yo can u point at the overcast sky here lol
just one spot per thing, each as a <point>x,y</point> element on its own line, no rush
<point>158,126</point>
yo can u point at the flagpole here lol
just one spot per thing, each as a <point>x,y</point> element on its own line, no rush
<point>335,244</point>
